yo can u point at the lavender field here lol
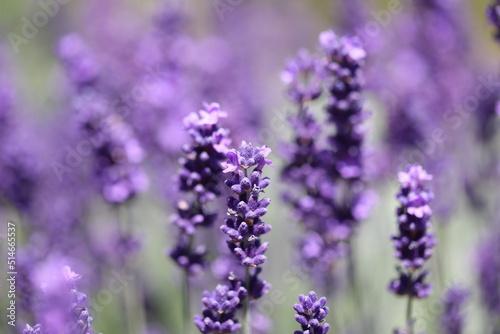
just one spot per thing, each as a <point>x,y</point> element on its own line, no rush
<point>249,167</point>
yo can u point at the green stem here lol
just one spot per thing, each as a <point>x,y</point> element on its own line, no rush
<point>409,321</point>
<point>187,302</point>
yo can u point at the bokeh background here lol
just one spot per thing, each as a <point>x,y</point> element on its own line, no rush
<point>235,57</point>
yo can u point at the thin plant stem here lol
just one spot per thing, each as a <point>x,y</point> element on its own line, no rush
<point>186,302</point>
<point>409,320</point>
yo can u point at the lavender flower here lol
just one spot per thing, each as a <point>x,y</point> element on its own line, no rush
<point>63,308</point>
<point>199,177</point>
<point>80,63</point>
<point>331,199</point>
<point>311,314</point>
<point>452,320</point>
<point>414,242</point>
<point>301,77</point>
<point>221,305</point>
<point>117,162</point>
<point>245,209</point>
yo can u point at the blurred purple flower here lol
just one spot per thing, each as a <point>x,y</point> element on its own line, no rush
<point>452,319</point>
<point>63,308</point>
<point>199,177</point>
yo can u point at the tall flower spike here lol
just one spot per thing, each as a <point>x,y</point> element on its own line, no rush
<point>221,305</point>
<point>199,179</point>
<point>414,242</point>
<point>453,320</point>
<point>245,210</point>
<point>311,314</point>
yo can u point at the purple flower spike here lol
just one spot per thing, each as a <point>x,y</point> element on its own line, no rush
<point>221,305</point>
<point>311,314</point>
<point>327,169</point>
<point>245,209</point>
<point>452,320</point>
<point>199,178</point>
<point>414,242</point>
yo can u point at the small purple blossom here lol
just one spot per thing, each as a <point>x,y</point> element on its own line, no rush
<point>220,307</point>
<point>414,242</point>
<point>311,314</point>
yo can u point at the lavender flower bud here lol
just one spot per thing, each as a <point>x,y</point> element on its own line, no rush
<point>414,242</point>
<point>221,305</point>
<point>311,314</point>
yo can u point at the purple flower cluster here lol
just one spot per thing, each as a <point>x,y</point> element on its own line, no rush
<point>344,82</point>
<point>245,209</point>
<point>452,320</point>
<point>199,176</point>
<point>81,65</point>
<point>414,241</point>
<point>311,314</point>
<point>63,308</point>
<point>221,305</point>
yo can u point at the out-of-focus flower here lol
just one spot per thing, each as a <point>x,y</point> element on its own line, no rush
<point>63,308</point>
<point>199,177</point>
<point>453,319</point>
